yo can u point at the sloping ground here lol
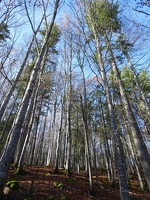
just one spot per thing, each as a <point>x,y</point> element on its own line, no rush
<point>42,184</point>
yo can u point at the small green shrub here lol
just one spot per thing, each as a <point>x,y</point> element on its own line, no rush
<point>63,197</point>
<point>50,198</point>
<point>13,184</point>
<point>58,185</point>
<point>47,174</point>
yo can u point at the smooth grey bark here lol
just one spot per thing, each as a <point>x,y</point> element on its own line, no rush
<point>35,129</point>
<point>13,86</point>
<point>86,131</point>
<point>78,145</point>
<point>6,123</point>
<point>135,163</point>
<point>58,141</point>
<point>15,132</point>
<point>85,125</point>
<point>25,134</point>
<point>94,154</point>
<point>118,152</point>
<point>27,128</point>
<point>39,152</point>
<point>108,98</point>
<point>143,95</point>
<point>68,60</point>
<point>51,133</point>
<point>115,136</point>
<point>133,153</point>
<point>107,154</point>
<point>68,130</point>
<point>137,137</point>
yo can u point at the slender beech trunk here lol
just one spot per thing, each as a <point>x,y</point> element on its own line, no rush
<point>6,123</point>
<point>58,141</point>
<point>109,102</point>
<point>68,107</point>
<point>137,137</point>
<point>135,162</point>
<point>35,129</point>
<point>144,97</point>
<point>13,86</point>
<point>15,132</point>
<point>24,130</point>
<point>68,133</point>
<point>51,134</point>
<point>107,153</point>
<point>39,152</point>
<point>94,154</point>
<point>118,151</point>
<point>115,136</point>
<point>28,124</point>
<point>86,131</point>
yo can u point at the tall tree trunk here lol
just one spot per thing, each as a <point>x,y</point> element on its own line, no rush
<point>137,137</point>
<point>115,136</point>
<point>86,131</point>
<point>58,141</point>
<point>68,134</point>
<point>24,131</point>
<point>144,97</point>
<point>15,133</point>
<point>13,86</point>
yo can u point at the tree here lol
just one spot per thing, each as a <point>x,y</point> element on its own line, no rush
<point>104,16</point>
<point>7,157</point>
<point>4,32</point>
<point>140,5</point>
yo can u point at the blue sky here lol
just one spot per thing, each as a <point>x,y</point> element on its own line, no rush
<point>132,26</point>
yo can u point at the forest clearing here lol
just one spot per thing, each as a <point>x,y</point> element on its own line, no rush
<point>75,95</point>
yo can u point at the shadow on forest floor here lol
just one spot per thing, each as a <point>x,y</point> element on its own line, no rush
<point>42,184</point>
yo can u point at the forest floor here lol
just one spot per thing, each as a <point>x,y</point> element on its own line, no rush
<point>42,184</point>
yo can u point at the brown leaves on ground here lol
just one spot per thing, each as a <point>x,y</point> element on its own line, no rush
<point>42,184</point>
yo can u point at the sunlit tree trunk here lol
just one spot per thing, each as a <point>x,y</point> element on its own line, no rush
<point>144,97</point>
<point>137,137</point>
<point>51,133</point>
<point>24,132</point>
<point>85,123</point>
<point>68,129</point>
<point>133,153</point>
<point>35,130</point>
<point>58,141</point>
<point>6,123</point>
<point>115,136</point>
<point>15,133</point>
<point>13,86</point>
<point>39,154</point>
